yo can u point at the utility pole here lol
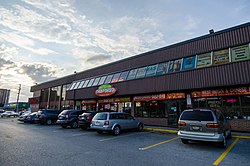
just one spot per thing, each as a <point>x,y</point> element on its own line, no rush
<point>18,93</point>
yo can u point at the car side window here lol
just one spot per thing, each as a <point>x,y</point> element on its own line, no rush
<point>121,116</point>
<point>129,117</point>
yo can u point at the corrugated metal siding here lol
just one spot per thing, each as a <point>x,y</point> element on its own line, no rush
<point>224,39</point>
<point>222,75</point>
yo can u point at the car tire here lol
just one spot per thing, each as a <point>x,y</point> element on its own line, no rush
<point>223,144</point>
<point>63,126</point>
<point>184,141</point>
<point>140,127</point>
<point>116,130</point>
<point>99,131</point>
<point>48,121</point>
<point>74,125</point>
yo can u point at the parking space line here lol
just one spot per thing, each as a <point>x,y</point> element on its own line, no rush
<point>217,162</point>
<point>160,143</point>
<point>78,134</point>
<point>112,138</point>
<point>242,137</point>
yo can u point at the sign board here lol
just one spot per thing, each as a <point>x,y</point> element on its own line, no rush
<point>188,63</point>
<point>105,90</point>
<point>240,53</point>
<point>221,57</point>
<point>204,60</point>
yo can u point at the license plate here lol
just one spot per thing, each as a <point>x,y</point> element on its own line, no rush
<point>196,128</point>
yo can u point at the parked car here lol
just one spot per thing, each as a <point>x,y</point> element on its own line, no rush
<point>9,114</point>
<point>114,122</point>
<point>69,118</point>
<point>47,116</point>
<point>31,117</point>
<point>204,125</point>
<point>85,119</point>
<point>23,117</point>
<point>1,111</point>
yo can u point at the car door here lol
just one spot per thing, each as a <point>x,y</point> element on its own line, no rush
<point>131,122</point>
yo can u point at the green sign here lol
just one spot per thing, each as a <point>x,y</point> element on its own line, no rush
<point>221,57</point>
<point>204,60</point>
<point>240,53</point>
<point>105,86</point>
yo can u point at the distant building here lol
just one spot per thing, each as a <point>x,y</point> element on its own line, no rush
<point>4,96</point>
<point>13,106</point>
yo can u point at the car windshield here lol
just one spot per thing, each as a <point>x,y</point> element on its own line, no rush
<point>100,116</point>
<point>64,112</point>
<point>197,116</point>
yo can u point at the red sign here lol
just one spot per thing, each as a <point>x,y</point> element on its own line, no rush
<point>222,92</point>
<point>88,102</point>
<point>34,100</point>
<point>105,90</point>
<point>150,97</point>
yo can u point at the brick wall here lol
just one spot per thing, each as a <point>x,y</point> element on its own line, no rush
<point>154,121</point>
<point>240,125</point>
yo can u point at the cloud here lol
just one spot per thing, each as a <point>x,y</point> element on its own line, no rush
<point>40,72</point>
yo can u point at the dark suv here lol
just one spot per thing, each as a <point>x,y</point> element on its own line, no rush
<point>85,119</point>
<point>47,116</point>
<point>69,118</point>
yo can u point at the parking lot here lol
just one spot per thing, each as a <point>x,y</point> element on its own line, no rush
<point>33,144</point>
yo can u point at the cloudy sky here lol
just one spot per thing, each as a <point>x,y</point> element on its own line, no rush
<point>41,40</point>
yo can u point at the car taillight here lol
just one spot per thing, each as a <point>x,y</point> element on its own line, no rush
<point>89,117</point>
<point>213,125</point>
<point>181,123</point>
<point>106,122</point>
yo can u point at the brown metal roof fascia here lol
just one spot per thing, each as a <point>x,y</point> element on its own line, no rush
<point>211,77</point>
<point>190,47</point>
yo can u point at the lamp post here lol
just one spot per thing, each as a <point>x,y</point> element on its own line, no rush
<point>18,93</point>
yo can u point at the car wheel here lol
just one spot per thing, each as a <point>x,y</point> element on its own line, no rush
<point>74,125</point>
<point>185,141</point>
<point>116,130</point>
<point>63,126</point>
<point>140,127</point>
<point>48,121</point>
<point>99,131</point>
<point>223,143</point>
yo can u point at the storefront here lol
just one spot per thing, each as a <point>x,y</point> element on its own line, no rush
<point>156,86</point>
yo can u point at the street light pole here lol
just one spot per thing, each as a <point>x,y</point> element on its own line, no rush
<point>17,105</point>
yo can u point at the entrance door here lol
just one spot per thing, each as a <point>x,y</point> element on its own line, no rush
<point>175,107</point>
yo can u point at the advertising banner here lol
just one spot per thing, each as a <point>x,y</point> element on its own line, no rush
<point>177,65</point>
<point>189,63</point>
<point>221,57</point>
<point>162,68</point>
<point>105,90</point>
<point>175,96</point>
<point>240,53</point>
<point>151,71</point>
<point>150,97</point>
<point>204,60</point>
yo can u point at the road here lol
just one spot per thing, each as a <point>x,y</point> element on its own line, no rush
<point>40,145</point>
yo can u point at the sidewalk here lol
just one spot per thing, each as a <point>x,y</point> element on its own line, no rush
<point>159,129</point>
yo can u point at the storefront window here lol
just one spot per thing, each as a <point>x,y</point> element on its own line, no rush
<point>141,72</point>
<point>85,83</point>
<point>109,78</point>
<point>116,77</point>
<point>152,109</point>
<point>123,76</point>
<point>162,68</point>
<point>132,74</point>
<point>151,71</point>
<point>44,98</point>
<point>81,84</point>
<point>90,82</point>
<point>96,81</point>
<point>102,80</point>
<point>55,93</point>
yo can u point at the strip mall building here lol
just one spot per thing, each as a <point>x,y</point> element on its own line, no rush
<point>209,71</point>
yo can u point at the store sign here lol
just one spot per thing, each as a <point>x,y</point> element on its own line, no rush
<point>150,97</point>
<point>175,96</point>
<point>240,53</point>
<point>115,100</point>
<point>105,90</point>
<point>188,63</point>
<point>221,57</point>
<point>221,92</point>
<point>204,60</point>
<point>88,102</point>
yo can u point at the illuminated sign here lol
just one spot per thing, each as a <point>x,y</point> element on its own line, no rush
<point>105,90</point>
